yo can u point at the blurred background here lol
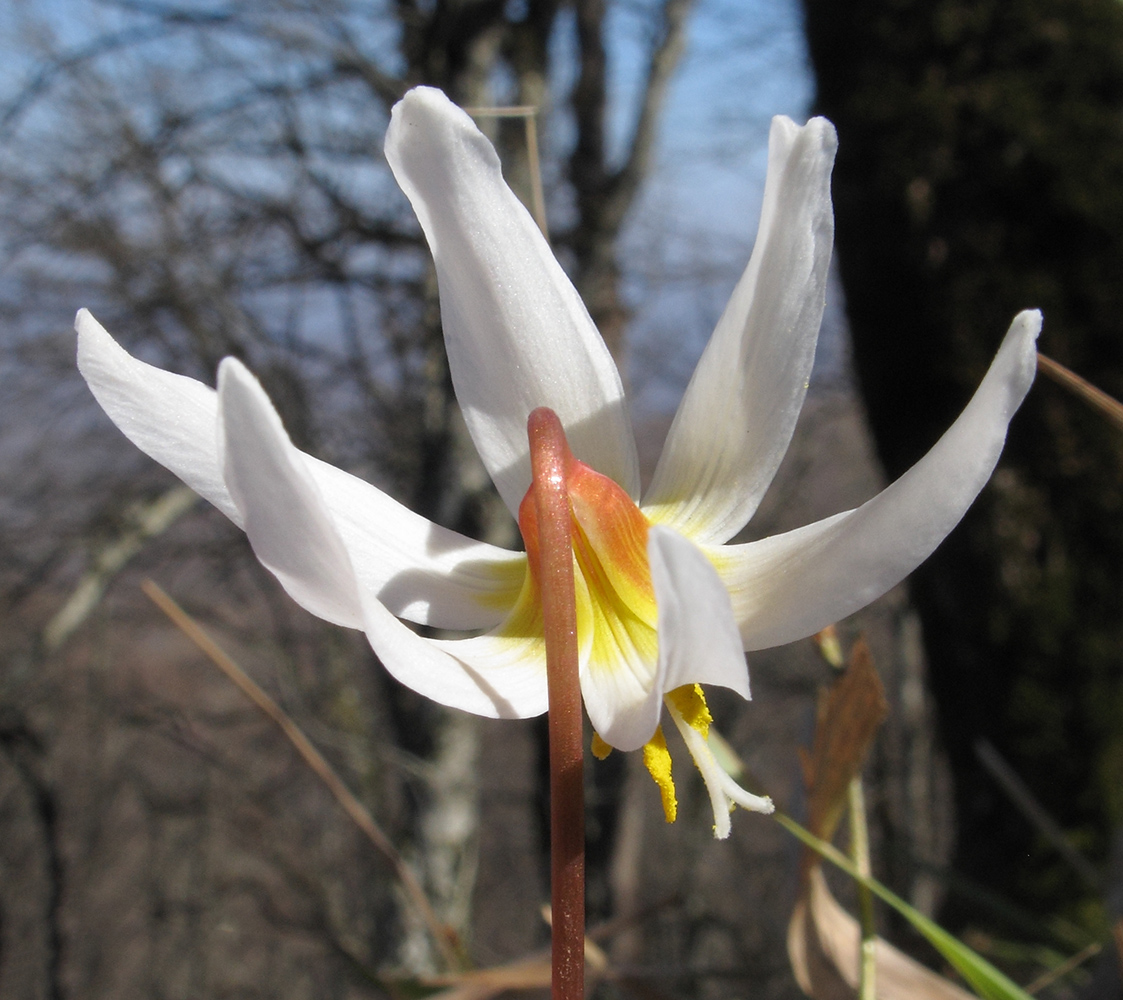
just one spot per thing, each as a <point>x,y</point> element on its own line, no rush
<point>207,178</point>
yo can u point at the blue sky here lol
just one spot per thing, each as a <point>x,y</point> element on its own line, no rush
<point>691,235</point>
<point>692,231</point>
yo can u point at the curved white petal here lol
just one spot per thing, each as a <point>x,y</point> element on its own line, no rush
<point>169,417</point>
<point>293,535</point>
<point>697,643</point>
<point>623,702</point>
<point>498,677</point>
<point>791,585</point>
<point>420,570</point>
<point>698,638</point>
<point>737,417</point>
<point>517,333</point>
<point>283,513</point>
<point>619,680</point>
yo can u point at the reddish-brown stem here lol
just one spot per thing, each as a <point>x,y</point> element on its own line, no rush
<point>550,460</point>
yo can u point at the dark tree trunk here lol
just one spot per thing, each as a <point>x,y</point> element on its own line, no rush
<point>980,172</point>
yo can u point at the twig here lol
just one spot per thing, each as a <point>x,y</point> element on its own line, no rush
<point>529,114</point>
<point>315,760</point>
<point>147,521</point>
<point>1109,406</point>
<point>1050,977</point>
<point>1019,793</point>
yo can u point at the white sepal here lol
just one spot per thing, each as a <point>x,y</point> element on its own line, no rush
<point>789,586</point>
<point>497,677</point>
<point>281,509</point>
<point>420,570</point>
<point>738,414</point>
<point>171,418</point>
<point>517,333</point>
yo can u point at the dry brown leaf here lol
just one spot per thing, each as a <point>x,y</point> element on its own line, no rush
<point>848,720</point>
<point>824,941</point>
<point>824,944</point>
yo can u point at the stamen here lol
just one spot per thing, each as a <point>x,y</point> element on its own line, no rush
<point>691,702</point>
<point>723,790</point>
<point>657,760</point>
<point>600,749</point>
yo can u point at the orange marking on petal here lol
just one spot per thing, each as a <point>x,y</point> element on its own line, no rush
<point>617,622</point>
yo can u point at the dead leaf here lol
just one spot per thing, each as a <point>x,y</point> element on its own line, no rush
<point>848,719</point>
<point>824,944</point>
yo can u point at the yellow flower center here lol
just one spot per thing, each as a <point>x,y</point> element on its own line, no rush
<point>616,609</point>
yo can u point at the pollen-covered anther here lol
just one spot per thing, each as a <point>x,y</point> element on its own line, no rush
<point>657,760</point>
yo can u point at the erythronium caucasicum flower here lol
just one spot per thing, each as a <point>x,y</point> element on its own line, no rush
<point>664,605</point>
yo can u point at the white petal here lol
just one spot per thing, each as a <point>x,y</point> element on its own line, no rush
<point>698,638</point>
<point>698,643</point>
<point>293,535</point>
<point>621,689</point>
<point>737,417</point>
<point>420,570</point>
<point>517,333</point>
<point>282,510</point>
<point>169,417</point>
<point>624,702</point>
<point>791,585</point>
<point>501,678</point>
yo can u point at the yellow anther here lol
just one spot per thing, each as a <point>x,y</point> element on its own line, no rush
<point>600,748</point>
<point>657,759</point>
<point>691,705</point>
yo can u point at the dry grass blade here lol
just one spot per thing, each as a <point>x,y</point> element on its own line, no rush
<point>1019,794</point>
<point>315,760</point>
<point>532,973</point>
<point>1109,406</point>
<point>825,943</point>
<point>1062,970</point>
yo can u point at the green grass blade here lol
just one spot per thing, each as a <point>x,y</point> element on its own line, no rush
<point>980,975</point>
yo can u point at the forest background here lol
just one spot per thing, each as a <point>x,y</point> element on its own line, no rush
<point>208,179</point>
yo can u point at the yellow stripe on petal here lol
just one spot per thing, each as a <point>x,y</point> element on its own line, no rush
<point>524,620</point>
<point>657,759</point>
<point>616,609</point>
<point>691,705</point>
<point>504,583</point>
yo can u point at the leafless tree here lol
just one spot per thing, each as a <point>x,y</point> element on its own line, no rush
<point>208,180</point>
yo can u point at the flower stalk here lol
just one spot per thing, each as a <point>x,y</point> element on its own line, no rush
<point>550,461</point>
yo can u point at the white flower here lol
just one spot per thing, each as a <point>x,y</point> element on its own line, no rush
<point>663,603</point>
